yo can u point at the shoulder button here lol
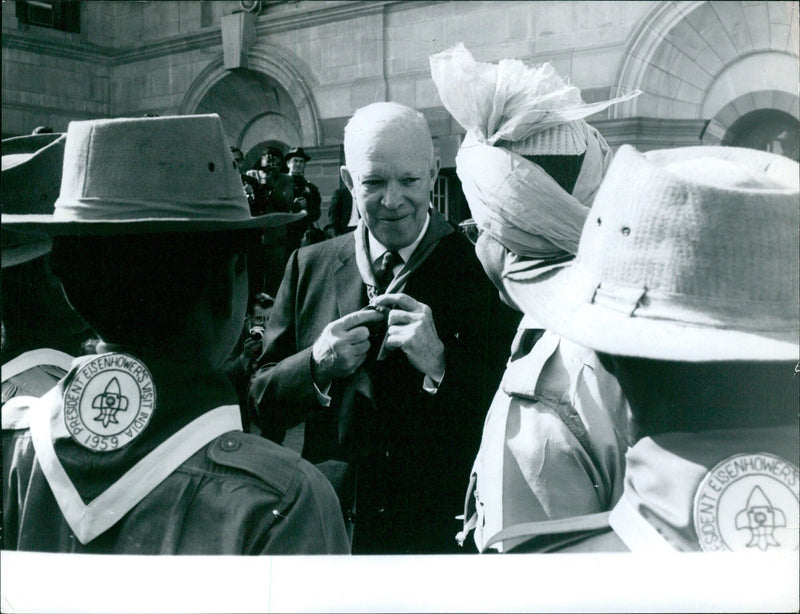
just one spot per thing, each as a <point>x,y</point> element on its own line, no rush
<point>230,444</point>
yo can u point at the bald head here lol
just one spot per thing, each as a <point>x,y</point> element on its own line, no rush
<point>386,120</point>
<point>390,170</point>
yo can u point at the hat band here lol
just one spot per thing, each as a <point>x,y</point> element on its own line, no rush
<point>111,209</point>
<point>742,315</point>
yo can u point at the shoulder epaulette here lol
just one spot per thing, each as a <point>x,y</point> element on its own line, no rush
<point>271,463</point>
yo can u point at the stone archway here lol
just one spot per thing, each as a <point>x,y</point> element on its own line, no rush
<point>681,50</point>
<point>273,94</point>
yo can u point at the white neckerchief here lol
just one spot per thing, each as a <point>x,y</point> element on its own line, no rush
<point>377,249</point>
<point>634,530</point>
<point>35,358</point>
<point>92,520</point>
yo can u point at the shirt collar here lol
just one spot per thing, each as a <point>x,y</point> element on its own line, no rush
<point>377,249</point>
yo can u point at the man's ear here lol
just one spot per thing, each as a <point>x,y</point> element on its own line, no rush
<point>347,178</point>
<point>435,167</point>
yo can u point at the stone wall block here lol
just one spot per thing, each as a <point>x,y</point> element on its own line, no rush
<point>366,92</point>
<point>426,94</point>
<point>517,23</point>
<point>662,83</point>
<point>695,75</point>
<point>690,93</point>
<point>744,104</point>
<point>779,12</point>
<point>685,37</point>
<point>403,91</point>
<point>763,99</point>
<point>647,105</point>
<point>732,18</point>
<point>779,36</point>
<point>709,61</point>
<point>756,16</point>
<point>552,18</point>
<point>594,67</point>
<point>786,102</point>
<point>677,109</point>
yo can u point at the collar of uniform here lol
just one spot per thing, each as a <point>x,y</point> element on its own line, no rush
<point>183,394</point>
<point>377,249</point>
<point>89,520</point>
<point>663,474</point>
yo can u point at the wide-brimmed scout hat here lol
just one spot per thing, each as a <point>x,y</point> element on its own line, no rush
<point>31,179</point>
<point>148,175</point>
<point>687,254</point>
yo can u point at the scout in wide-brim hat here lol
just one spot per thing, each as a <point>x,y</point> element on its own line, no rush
<point>30,184</point>
<point>147,175</point>
<point>687,254</point>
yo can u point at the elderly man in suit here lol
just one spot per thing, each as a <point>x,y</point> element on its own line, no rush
<point>396,393</point>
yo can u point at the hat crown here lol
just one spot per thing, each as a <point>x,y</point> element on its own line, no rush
<point>297,152</point>
<point>149,168</point>
<point>706,234</point>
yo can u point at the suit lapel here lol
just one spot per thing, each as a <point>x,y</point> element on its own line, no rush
<point>349,287</point>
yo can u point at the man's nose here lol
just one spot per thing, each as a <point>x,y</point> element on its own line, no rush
<point>392,195</point>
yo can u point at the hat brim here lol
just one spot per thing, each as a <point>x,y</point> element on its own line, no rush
<point>561,300</point>
<point>20,254</point>
<point>53,227</point>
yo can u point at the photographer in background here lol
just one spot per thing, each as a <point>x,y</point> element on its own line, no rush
<point>239,367</point>
<point>306,198</point>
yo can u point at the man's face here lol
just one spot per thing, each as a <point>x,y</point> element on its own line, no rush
<point>391,176</point>
<point>297,165</point>
<point>271,162</point>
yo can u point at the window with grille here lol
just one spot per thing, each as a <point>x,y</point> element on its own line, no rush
<point>440,200</point>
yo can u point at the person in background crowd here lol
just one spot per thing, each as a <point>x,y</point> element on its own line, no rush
<point>558,428</point>
<point>249,183</point>
<point>393,397</point>
<point>241,363</point>
<point>40,331</point>
<point>273,193</point>
<point>306,198</point>
<point>703,340</point>
<point>139,449</point>
<point>342,213</point>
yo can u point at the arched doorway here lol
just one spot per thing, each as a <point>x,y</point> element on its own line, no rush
<point>269,102</point>
<point>714,62</point>
<point>256,111</point>
<point>767,130</point>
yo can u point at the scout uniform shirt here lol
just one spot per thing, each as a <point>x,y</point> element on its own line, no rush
<point>131,458</point>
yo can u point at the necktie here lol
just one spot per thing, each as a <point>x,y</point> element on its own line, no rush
<point>385,272</point>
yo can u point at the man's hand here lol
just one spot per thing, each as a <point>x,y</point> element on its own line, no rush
<point>342,346</point>
<point>252,348</point>
<point>299,204</point>
<point>411,329</point>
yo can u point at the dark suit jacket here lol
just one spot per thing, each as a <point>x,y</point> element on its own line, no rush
<point>414,450</point>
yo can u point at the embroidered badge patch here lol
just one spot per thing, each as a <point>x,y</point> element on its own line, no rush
<point>109,402</point>
<point>748,502</point>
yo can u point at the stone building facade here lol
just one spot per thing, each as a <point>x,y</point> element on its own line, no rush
<point>291,73</point>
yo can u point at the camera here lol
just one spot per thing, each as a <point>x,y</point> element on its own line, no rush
<point>257,328</point>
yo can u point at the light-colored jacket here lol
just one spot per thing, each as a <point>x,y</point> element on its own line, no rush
<point>554,440</point>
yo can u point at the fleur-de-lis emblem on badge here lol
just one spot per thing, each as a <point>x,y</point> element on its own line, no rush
<point>109,402</point>
<point>762,519</point>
